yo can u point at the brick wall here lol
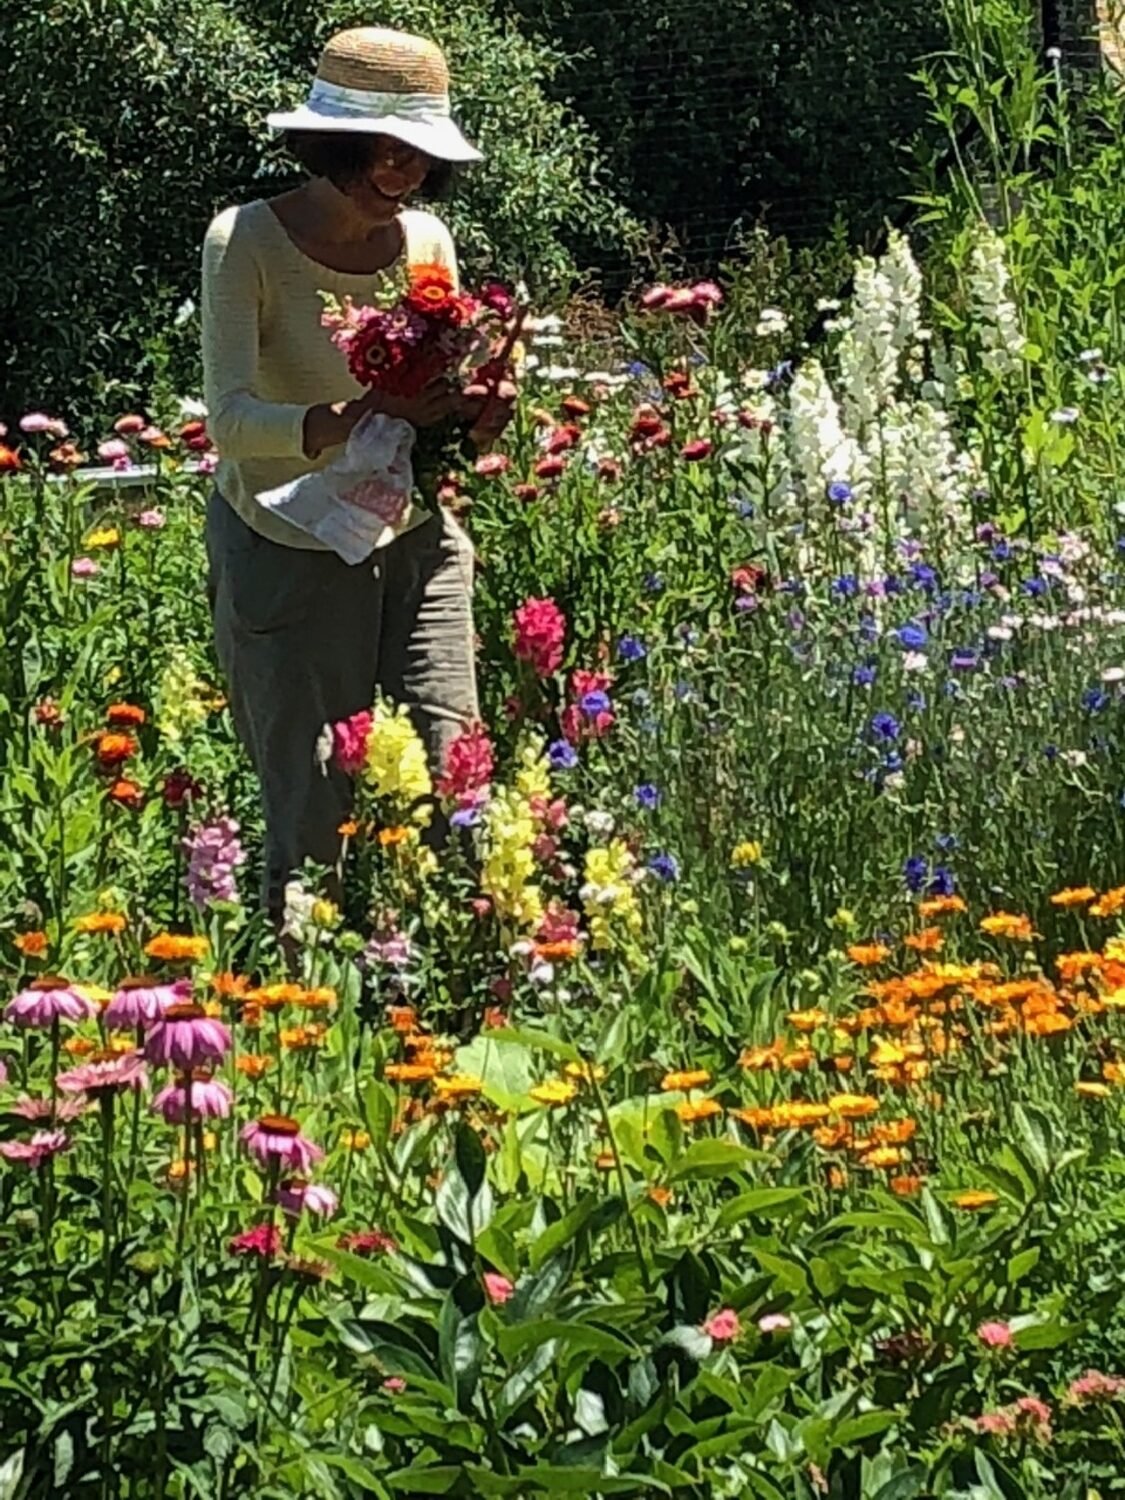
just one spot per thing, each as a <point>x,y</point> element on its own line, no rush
<point>1091,32</point>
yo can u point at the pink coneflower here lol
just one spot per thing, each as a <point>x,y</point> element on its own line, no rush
<point>774,1323</point>
<point>497,1288</point>
<point>276,1141</point>
<point>263,1240</point>
<point>995,1335</point>
<point>295,1196</point>
<point>106,1073</point>
<point>140,1001</point>
<point>210,1099</point>
<point>46,1109</point>
<point>151,520</point>
<point>40,1148</point>
<point>46,1001</point>
<point>723,1326</point>
<point>84,567</point>
<point>367,1242</point>
<point>186,1037</point>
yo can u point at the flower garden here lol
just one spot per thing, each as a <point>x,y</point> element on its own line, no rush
<point>730,1103</point>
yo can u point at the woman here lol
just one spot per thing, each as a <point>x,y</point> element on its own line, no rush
<point>303,638</point>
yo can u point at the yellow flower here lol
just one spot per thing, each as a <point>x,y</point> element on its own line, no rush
<point>396,765</point>
<point>355,1140</point>
<point>1006,924</point>
<point>749,852</point>
<point>100,921</point>
<point>1086,1089</point>
<point>553,1091</point>
<point>853,1106</point>
<point>177,948</point>
<point>680,1082</point>
<point>608,895</point>
<point>325,914</point>
<point>461,1086</point>
<point>105,536</point>
<point>509,862</point>
<point>1076,895</point>
<point>1115,950</point>
<point>533,778</point>
<point>1110,903</point>
<point>182,698</point>
<point>585,1072</point>
<point>974,1199</point>
<point>703,1109</point>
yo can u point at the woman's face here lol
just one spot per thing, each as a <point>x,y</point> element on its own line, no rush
<point>394,171</point>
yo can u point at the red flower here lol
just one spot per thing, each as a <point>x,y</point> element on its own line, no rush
<point>526,492</point>
<point>540,630</point>
<point>431,293</point>
<point>560,439</point>
<point>180,787</point>
<point>367,1242</point>
<point>550,467</point>
<point>125,715</point>
<point>115,749</point>
<point>194,436</point>
<point>469,763</point>
<point>126,793</point>
<point>263,1240</point>
<point>574,406</point>
<point>9,461</point>
<point>698,449</point>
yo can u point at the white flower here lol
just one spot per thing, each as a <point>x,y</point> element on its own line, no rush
<point>1114,674</point>
<point>1075,758</point>
<point>915,661</point>
<point>995,315</point>
<point>598,824</point>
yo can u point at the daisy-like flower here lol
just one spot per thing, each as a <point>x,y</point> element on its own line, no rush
<point>276,1141</point>
<point>210,1099</point>
<point>186,1037</point>
<point>106,1073</point>
<point>43,1145</point>
<point>27,1108</point>
<point>295,1196</point>
<point>46,1001</point>
<point>140,1002</point>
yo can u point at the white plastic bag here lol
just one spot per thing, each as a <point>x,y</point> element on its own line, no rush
<point>362,498</point>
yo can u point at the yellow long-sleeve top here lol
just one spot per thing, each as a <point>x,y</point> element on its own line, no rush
<point>267,358</point>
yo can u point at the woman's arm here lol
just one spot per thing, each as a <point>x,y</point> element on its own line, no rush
<point>242,425</point>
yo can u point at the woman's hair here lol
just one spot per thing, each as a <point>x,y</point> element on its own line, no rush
<point>345,156</point>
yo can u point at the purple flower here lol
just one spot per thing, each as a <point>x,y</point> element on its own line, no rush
<point>186,1037</point>
<point>562,754</point>
<point>106,1075</point>
<point>84,567</point>
<point>151,520</point>
<point>912,636</point>
<point>46,1001</point>
<point>295,1195</point>
<point>914,872</point>
<point>210,1100</point>
<point>276,1140</point>
<point>213,852</point>
<point>630,648</point>
<point>839,493</point>
<point>942,883</point>
<point>665,867</point>
<point>140,1002</point>
<point>595,703</point>
<point>885,726</point>
<point>647,796</point>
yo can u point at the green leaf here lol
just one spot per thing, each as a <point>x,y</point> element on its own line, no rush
<point>560,1479</point>
<point>904,1486</point>
<point>469,1155</point>
<point>64,1457</point>
<point>866,1425</point>
<point>513,1342</point>
<point>762,1203</point>
<point>693,1341</point>
<point>435,1481</point>
<point>704,1159</point>
<point>1047,1335</point>
<point>1021,1264</point>
<point>1035,1133</point>
<point>542,1040</point>
<point>11,1472</point>
<point>357,1471</point>
<point>565,1229</point>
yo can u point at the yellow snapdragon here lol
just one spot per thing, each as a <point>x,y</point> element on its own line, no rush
<point>533,778</point>
<point>396,759</point>
<point>609,898</point>
<point>509,863</point>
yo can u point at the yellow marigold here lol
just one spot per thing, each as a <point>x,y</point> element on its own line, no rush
<point>354,1140</point>
<point>867,955</point>
<point>609,898</point>
<point>691,1079</point>
<point>411,1072</point>
<point>974,1199</point>
<point>585,1072</point>
<point>1072,966</point>
<point>175,947</point>
<point>799,1114</point>
<point>274,996</point>
<point>749,852</point>
<point>883,1158</point>
<point>553,1091</point>
<point>929,940</point>
<point>807,1020</point>
<point>754,1116</point>
<point>940,906</point>
<point>853,1106</point>
<point>1074,895</point>
<point>1109,904</point>
<point>460,1086</point>
<point>395,765</point>
<point>101,921</point>
<point>1091,1089</point>
<point>31,944</point>
<point>1006,924</point>
<point>1113,1072</point>
<point>302,1038</point>
<point>323,997</point>
<point>702,1109</point>
<point>389,837</point>
<point>104,536</point>
<point>799,1060</point>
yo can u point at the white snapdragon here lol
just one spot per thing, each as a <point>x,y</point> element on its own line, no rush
<point>995,315</point>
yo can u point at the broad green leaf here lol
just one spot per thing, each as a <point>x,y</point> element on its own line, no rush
<point>704,1159</point>
<point>763,1203</point>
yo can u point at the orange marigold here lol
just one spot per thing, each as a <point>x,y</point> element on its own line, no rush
<point>853,1106</point>
<point>409,1072</point>
<point>867,955</point>
<point>940,906</point>
<point>1006,924</point>
<point>229,986</point>
<point>1074,895</point>
<point>799,1061</point>
<point>693,1078</point>
<point>702,1109</point>
<point>31,944</point>
<point>761,1059</point>
<point>929,940</point>
<point>101,921</point>
<point>402,1018</point>
<point>125,715</point>
<point>799,1114</point>
<point>1072,966</point>
<point>1113,1072</point>
<point>807,1020</point>
<point>253,1064</point>
<point>175,947</point>
<point>1109,904</point>
<point>389,837</point>
<point>756,1117</point>
<point>883,1158</point>
<point>906,1186</point>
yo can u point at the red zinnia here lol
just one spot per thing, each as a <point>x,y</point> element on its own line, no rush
<point>113,749</point>
<point>9,461</point>
<point>431,292</point>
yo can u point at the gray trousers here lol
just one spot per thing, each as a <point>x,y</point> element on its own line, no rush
<point>304,639</point>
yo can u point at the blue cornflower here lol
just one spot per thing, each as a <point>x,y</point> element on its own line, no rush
<point>893,584</point>
<point>562,755</point>
<point>924,576</point>
<point>846,586</point>
<point>912,636</point>
<point>647,795</point>
<point>885,726</point>
<point>594,703</point>
<point>631,648</point>
<point>1094,700</point>
<point>653,583</point>
<point>916,701</point>
<point>839,493</point>
<point>1001,551</point>
<point>637,369</point>
<point>942,882</point>
<point>914,872</point>
<point>868,629</point>
<point>665,867</point>
<point>1035,588</point>
<point>1050,752</point>
<point>892,761</point>
<point>863,676</point>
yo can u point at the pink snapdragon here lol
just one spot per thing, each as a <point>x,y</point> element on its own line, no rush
<point>469,763</point>
<point>214,852</point>
<point>349,741</point>
<point>540,634</point>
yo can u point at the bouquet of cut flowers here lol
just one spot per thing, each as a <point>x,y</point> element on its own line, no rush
<point>419,330</point>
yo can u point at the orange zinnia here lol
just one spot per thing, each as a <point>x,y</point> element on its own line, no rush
<point>680,1082</point>
<point>867,955</point>
<point>703,1109</point>
<point>1006,924</point>
<point>402,1018</point>
<point>31,944</point>
<point>100,921</point>
<point>125,715</point>
<point>1109,904</point>
<point>562,950</point>
<point>1074,895</point>
<point>112,748</point>
<point>126,793</point>
<point>409,1072</point>
<point>253,1064</point>
<point>929,940</point>
<point>177,947</point>
<point>940,906</point>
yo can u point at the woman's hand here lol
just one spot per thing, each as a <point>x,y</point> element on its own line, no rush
<point>331,426</point>
<point>489,410</point>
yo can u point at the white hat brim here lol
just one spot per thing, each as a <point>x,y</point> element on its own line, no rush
<point>438,137</point>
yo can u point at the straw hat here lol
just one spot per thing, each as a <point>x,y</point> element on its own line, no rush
<point>378,82</point>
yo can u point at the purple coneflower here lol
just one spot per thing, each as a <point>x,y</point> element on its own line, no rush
<point>295,1195</point>
<point>140,1001</point>
<point>46,1001</point>
<point>186,1037</point>
<point>276,1141</point>
<point>106,1073</point>
<point>210,1099</point>
<point>40,1148</point>
<point>47,1109</point>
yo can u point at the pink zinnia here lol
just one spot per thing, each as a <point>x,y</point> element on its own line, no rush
<point>106,1073</point>
<point>469,763</point>
<point>39,421</point>
<point>210,1099</point>
<point>1094,1386</point>
<point>497,1288</point>
<point>995,1335</point>
<point>540,632</point>
<point>46,1001</point>
<point>40,1148</point>
<point>139,1002</point>
<point>723,1326</point>
<point>112,450</point>
<point>296,1195</point>
<point>349,741</point>
<point>276,1141</point>
<point>84,567</point>
<point>263,1240</point>
<point>151,520</point>
<point>186,1037</point>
